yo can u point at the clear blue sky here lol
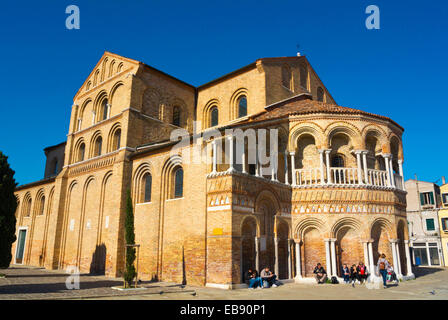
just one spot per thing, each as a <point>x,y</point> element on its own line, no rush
<point>399,71</point>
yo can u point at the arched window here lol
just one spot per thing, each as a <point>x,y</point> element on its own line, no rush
<point>117,140</point>
<point>176,116</point>
<point>337,161</point>
<point>98,147</point>
<point>147,180</point>
<point>304,77</point>
<point>287,77</point>
<point>28,207</point>
<point>320,94</point>
<point>214,116</point>
<point>178,183</point>
<point>41,205</point>
<point>81,152</point>
<point>242,106</point>
<point>105,109</point>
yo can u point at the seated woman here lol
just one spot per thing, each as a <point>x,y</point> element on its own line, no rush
<point>354,275</point>
<point>362,272</point>
<point>252,279</point>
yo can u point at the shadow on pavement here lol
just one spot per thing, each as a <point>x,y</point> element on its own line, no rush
<point>54,287</point>
<point>423,271</point>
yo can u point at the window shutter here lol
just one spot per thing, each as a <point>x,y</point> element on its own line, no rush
<point>422,199</point>
<point>431,196</point>
<point>430,224</point>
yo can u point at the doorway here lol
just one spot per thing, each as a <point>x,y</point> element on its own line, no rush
<point>20,246</point>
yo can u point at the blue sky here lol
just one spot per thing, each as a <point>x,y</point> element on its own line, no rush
<point>398,71</point>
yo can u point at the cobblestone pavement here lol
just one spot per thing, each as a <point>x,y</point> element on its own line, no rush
<point>35,283</point>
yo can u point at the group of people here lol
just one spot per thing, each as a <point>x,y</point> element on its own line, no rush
<point>355,273</point>
<point>266,279</point>
<point>359,272</point>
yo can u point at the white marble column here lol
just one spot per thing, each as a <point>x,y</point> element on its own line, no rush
<point>108,106</point>
<point>93,117</point>
<point>298,261</point>
<point>364,162</point>
<point>393,243</point>
<point>215,156</point>
<point>328,164</point>
<point>257,254</point>
<point>321,159</point>
<point>293,168</point>
<point>243,158</point>
<point>273,167</point>
<point>371,262</point>
<point>286,168</point>
<point>276,256</point>
<point>391,168</point>
<point>231,157</point>
<point>334,271</point>
<point>400,167</point>
<point>289,260</point>
<point>358,163</point>
<point>386,157</point>
<point>408,258</point>
<point>366,254</point>
<point>328,256</point>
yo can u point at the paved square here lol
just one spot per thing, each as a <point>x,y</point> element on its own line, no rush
<point>35,283</point>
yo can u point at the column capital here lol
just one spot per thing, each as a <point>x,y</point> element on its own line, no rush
<point>359,151</point>
<point>291,153</point>
<point>400,161</point>
<point>327,151</point>
<point>386,155</point>
<point>406,241</point>
<point>393,240</point>
<point>322,150</point>
<point>297,241</point>
<point>333,239</point>
<point>230,137</point>
<point>327,239</point>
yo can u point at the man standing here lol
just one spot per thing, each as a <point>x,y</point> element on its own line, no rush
<point>320,274</point>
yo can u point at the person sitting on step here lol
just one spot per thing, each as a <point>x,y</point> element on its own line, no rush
<point>346,273</point>
<point>354,275</point>
<point>362,272</point>
<point>268,277</point>
<point>320,274</point>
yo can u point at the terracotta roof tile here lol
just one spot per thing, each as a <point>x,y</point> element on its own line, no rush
<point>301,105</point>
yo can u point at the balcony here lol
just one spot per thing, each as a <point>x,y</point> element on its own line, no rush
<point>343,177</point>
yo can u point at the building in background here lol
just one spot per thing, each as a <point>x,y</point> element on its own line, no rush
<point>423,202</point>
<point>443,220</point>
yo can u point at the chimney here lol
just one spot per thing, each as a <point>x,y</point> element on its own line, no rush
<point>443,180</point>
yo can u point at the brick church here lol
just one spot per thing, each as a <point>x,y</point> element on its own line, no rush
<point>334,194</point>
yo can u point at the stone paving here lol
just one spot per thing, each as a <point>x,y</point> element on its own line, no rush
<point>35,283</point>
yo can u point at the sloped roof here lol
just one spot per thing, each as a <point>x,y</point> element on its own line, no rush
<point>303,104</point>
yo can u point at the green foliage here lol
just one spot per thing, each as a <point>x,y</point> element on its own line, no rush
<point>130,272</point>
<point>8,205</point>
